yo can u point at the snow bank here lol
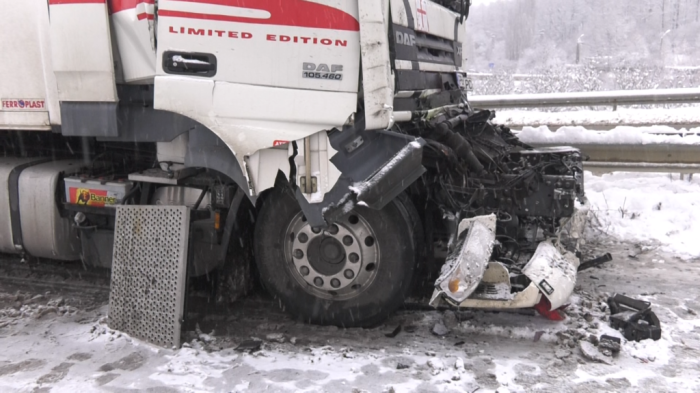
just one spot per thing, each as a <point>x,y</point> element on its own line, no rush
<point>619,135</point>
<point>648,208</point>
<point>624,116</point>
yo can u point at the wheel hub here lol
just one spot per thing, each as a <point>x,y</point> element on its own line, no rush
<point>326,255</point>
<point>337,262</point>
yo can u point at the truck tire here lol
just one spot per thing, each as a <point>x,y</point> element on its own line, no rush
<point>354,274</point>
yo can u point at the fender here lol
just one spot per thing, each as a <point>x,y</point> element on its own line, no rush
<point>135,120</point>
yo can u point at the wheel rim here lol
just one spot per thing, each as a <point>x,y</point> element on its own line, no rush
<point>337,263</point>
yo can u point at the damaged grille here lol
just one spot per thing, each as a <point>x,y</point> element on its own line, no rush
<point>413,46</point>
<point>477,168</point>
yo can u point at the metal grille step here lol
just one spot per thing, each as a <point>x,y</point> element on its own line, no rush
<point>149,271</point>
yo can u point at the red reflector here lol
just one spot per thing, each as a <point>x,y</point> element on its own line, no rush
<point>544,308</point>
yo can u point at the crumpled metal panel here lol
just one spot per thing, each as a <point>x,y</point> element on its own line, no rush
<point>553,272</point>
<point>462,272</point>
<point>149,271</point>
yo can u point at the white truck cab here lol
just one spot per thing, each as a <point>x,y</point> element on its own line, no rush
<point>332,139</point>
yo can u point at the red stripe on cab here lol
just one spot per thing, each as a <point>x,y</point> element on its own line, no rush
<point>144,15</point>
<point>298,13</point>
<point>122,5</point>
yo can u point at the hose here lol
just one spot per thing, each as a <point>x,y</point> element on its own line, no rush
<point>443,133</point>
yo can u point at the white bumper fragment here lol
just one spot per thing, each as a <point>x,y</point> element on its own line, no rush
<point>553,273</point>
<point>552,270</point>
<point>462,272</point>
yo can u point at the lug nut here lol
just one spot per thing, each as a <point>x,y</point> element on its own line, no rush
<point>303,237</point>
<point>304,271</point>
<point>353,258</point>
<point>347,240</point>
<point>349,274</point>
<point>335,283</point>
<point>298,254</point>
<point>318,281</point>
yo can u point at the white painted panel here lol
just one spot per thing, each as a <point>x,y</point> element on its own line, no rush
<point>38,121</point>
<point>25,65</point>
<point>378,80</point>
<point>82,52</point>
<point>188,96</point>
<point>259,96</point>
<point>253,45</point>
<point>432,19</point>
<point>250,118</point>
<point>264,166</point>
<point>326,109</point>
<point>134,30</point>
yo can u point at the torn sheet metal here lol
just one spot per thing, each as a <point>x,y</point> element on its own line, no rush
<point>554,273</point>
<point>575,225</point>
<point>463,271</point>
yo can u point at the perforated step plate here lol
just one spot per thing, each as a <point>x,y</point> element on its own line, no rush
<point>149,272</point>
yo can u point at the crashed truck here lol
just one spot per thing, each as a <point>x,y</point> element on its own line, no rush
<point>323,148</point>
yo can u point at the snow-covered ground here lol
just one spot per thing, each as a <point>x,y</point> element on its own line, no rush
<point>656,209</point>
<point>623,116</point>
<point>59,341</point>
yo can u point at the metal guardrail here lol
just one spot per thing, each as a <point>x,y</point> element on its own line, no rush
<point>662,157</point>
<point>598,98</point>
<point>653,153</point>
<point>674,158</point>
<point>607,167</point>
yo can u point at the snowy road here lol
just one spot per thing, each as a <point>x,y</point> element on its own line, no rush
<point>58,342</point>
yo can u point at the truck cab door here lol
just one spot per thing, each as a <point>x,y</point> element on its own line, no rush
<point>258,72</point>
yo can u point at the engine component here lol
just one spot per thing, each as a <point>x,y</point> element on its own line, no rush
<point>498,172</point>
<point>634,318</point>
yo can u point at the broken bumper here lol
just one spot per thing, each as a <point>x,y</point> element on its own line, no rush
<point>551,271</point>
